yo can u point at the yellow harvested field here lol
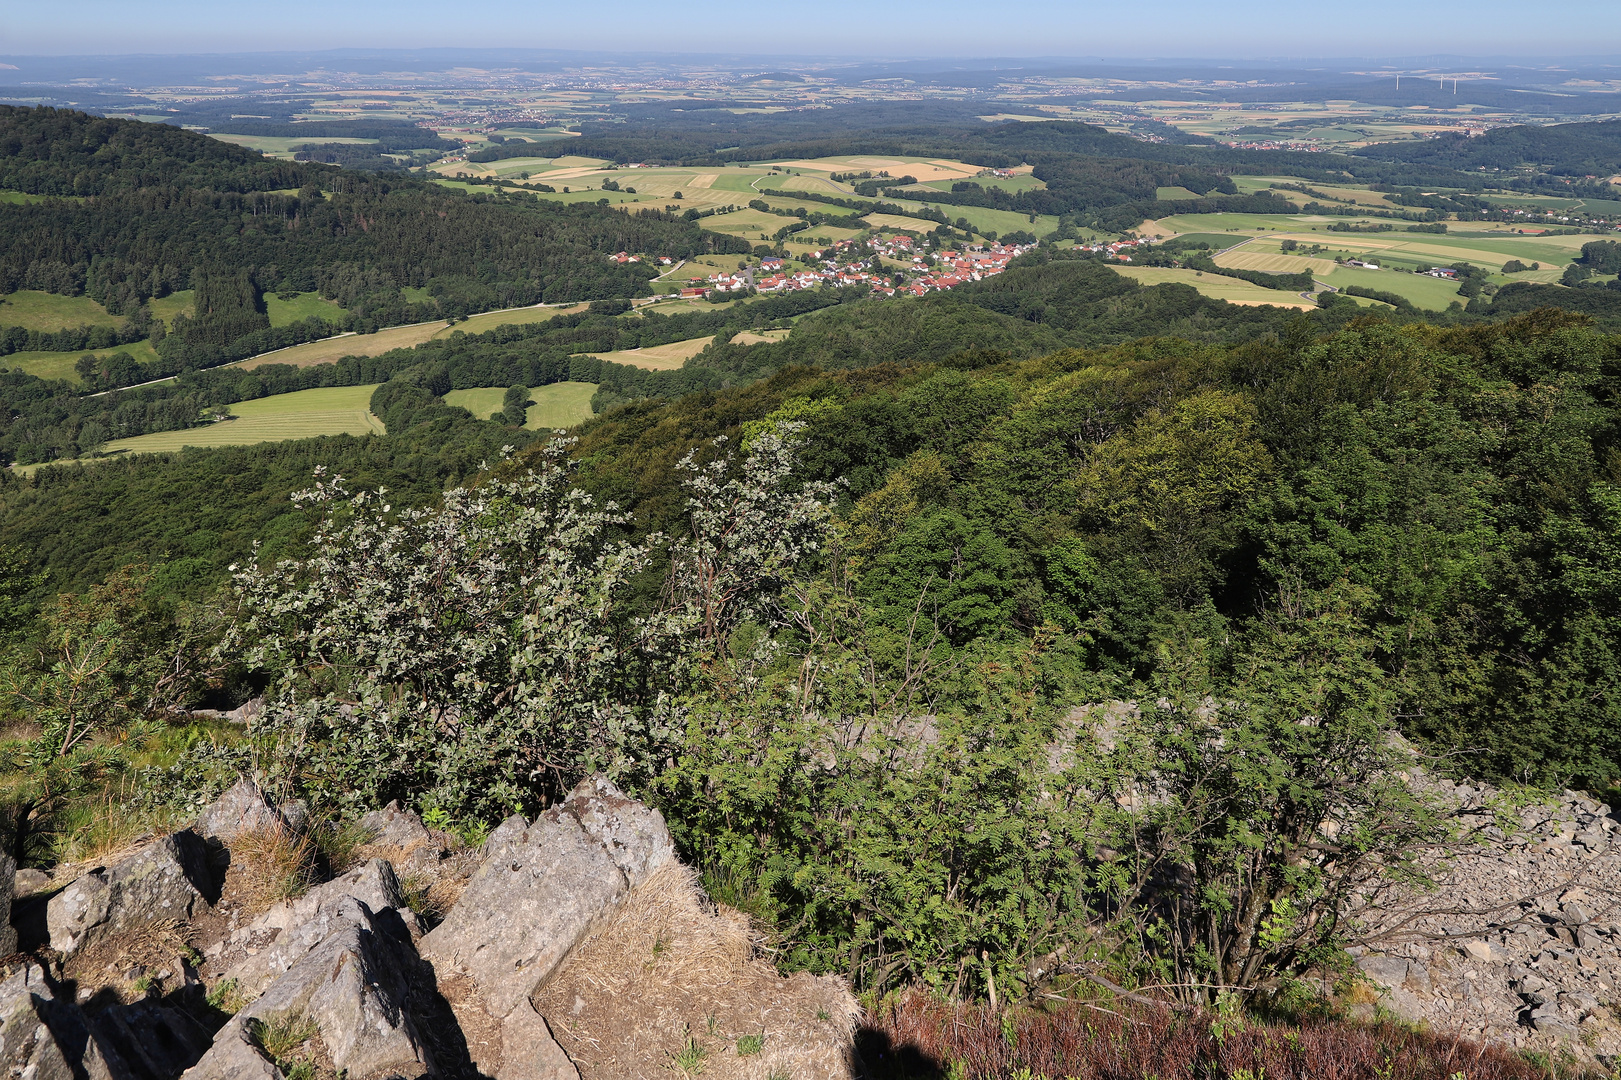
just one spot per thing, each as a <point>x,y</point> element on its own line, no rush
<point>658,357</point>
<point>704,180</point>
<point>332,349</point>
<point>329,350</point>
<point>1232,290</point>
<point>758,337</point>
<point>896,221</point>
<point>1244,259</point>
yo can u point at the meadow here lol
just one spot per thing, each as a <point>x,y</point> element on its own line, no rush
<point>302,414</point>
<point>559,405</point>
<point>59,365</point>
<point>48,312</point>
<point>1232,290</point>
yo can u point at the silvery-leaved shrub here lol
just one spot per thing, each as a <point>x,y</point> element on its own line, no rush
<point>482,655</point>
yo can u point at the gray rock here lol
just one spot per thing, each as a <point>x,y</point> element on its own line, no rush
<point>634,834</point>
<point>153,1041</point>
<point>1574,914</point>
<point>29,881</point>
<point>233,1057</point>
<point>356,985</point>
<point>243,808</point>
<point>165,880</point>
<point>303,924</point>
<point>529,1051</point>
<point>536,896</point>
<point>46,1039</point>
<point>396,827</point>
<point>1389,971</point>
<point>8,887</point>
<point>509,832</point>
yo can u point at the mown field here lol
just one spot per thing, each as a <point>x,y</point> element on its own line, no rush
<point>559,405</point>
<point>303,414</point>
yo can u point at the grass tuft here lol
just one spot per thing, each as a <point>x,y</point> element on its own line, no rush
<point>269,866</point>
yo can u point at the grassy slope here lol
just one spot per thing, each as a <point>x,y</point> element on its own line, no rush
<point>561,404</point>
<point>302,414</point>
<point>49,312</point>
<point>1214,286</point>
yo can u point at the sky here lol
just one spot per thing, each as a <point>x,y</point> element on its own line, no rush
<point>1245,29</point>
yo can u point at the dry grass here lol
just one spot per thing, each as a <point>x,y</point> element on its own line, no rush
<point>669,981</point>
<point>269,866</point>
<point>920,1038</point>
<point>129,961</point>
<point>659,357</point>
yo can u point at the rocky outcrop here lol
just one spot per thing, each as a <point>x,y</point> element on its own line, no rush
<point>395,827</point>
<point>44,1036</point>
<point>345,977</point>
<point>1520,942</point>
<point>355,987</point>
<point>540,890</point>
<point>243,808</point>
<point>164,881</point>
<point>284,935</point>
<point>633,834</point>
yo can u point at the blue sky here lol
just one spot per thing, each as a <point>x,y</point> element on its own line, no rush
<point>1146,28</point>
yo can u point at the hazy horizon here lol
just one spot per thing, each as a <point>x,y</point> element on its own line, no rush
<point>1254,31</point>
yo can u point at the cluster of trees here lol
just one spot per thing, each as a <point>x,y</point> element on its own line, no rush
<point>1577,150</point>
<point>1383,529</point>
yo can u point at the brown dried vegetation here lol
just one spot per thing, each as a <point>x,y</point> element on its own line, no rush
<point>670,983</point>
<point>919,1038</point>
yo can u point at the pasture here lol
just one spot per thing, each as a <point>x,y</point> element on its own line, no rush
<point>558,405</point>
<point>302,414</point>
<point>166,308</point>
<point>59,365</point>
<point>47,312</point>
<point>759,337</point>
<point>1214,286</point>
<point>658,357</point>
<point>301,306</point>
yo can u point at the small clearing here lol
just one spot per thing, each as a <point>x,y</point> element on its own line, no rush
<point>302,414</point>
<point>658,357</point>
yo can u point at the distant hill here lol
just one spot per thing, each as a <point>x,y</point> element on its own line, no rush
<point>1591,149</point>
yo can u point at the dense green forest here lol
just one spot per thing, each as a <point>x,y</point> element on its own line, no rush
<point>153,206</point>
<point>838,604</point>
<point>1575,150</point>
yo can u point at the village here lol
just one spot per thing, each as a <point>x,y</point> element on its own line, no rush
<point>862,262</point>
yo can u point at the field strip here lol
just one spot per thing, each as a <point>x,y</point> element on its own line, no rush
<point>1273,264</point>
<point>658,357</point>
<point>703,180</point>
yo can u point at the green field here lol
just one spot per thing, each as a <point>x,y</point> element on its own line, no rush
<point>277,145</point>
<point>59,365</point>
<point>1432,294</point>
<point>1215,286</point>
<point>303,414</point>
<point>168,307</point>
<point>17,198</point>
<point>560,405</point>
<point>47,311</point>
<point>301,306</point>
